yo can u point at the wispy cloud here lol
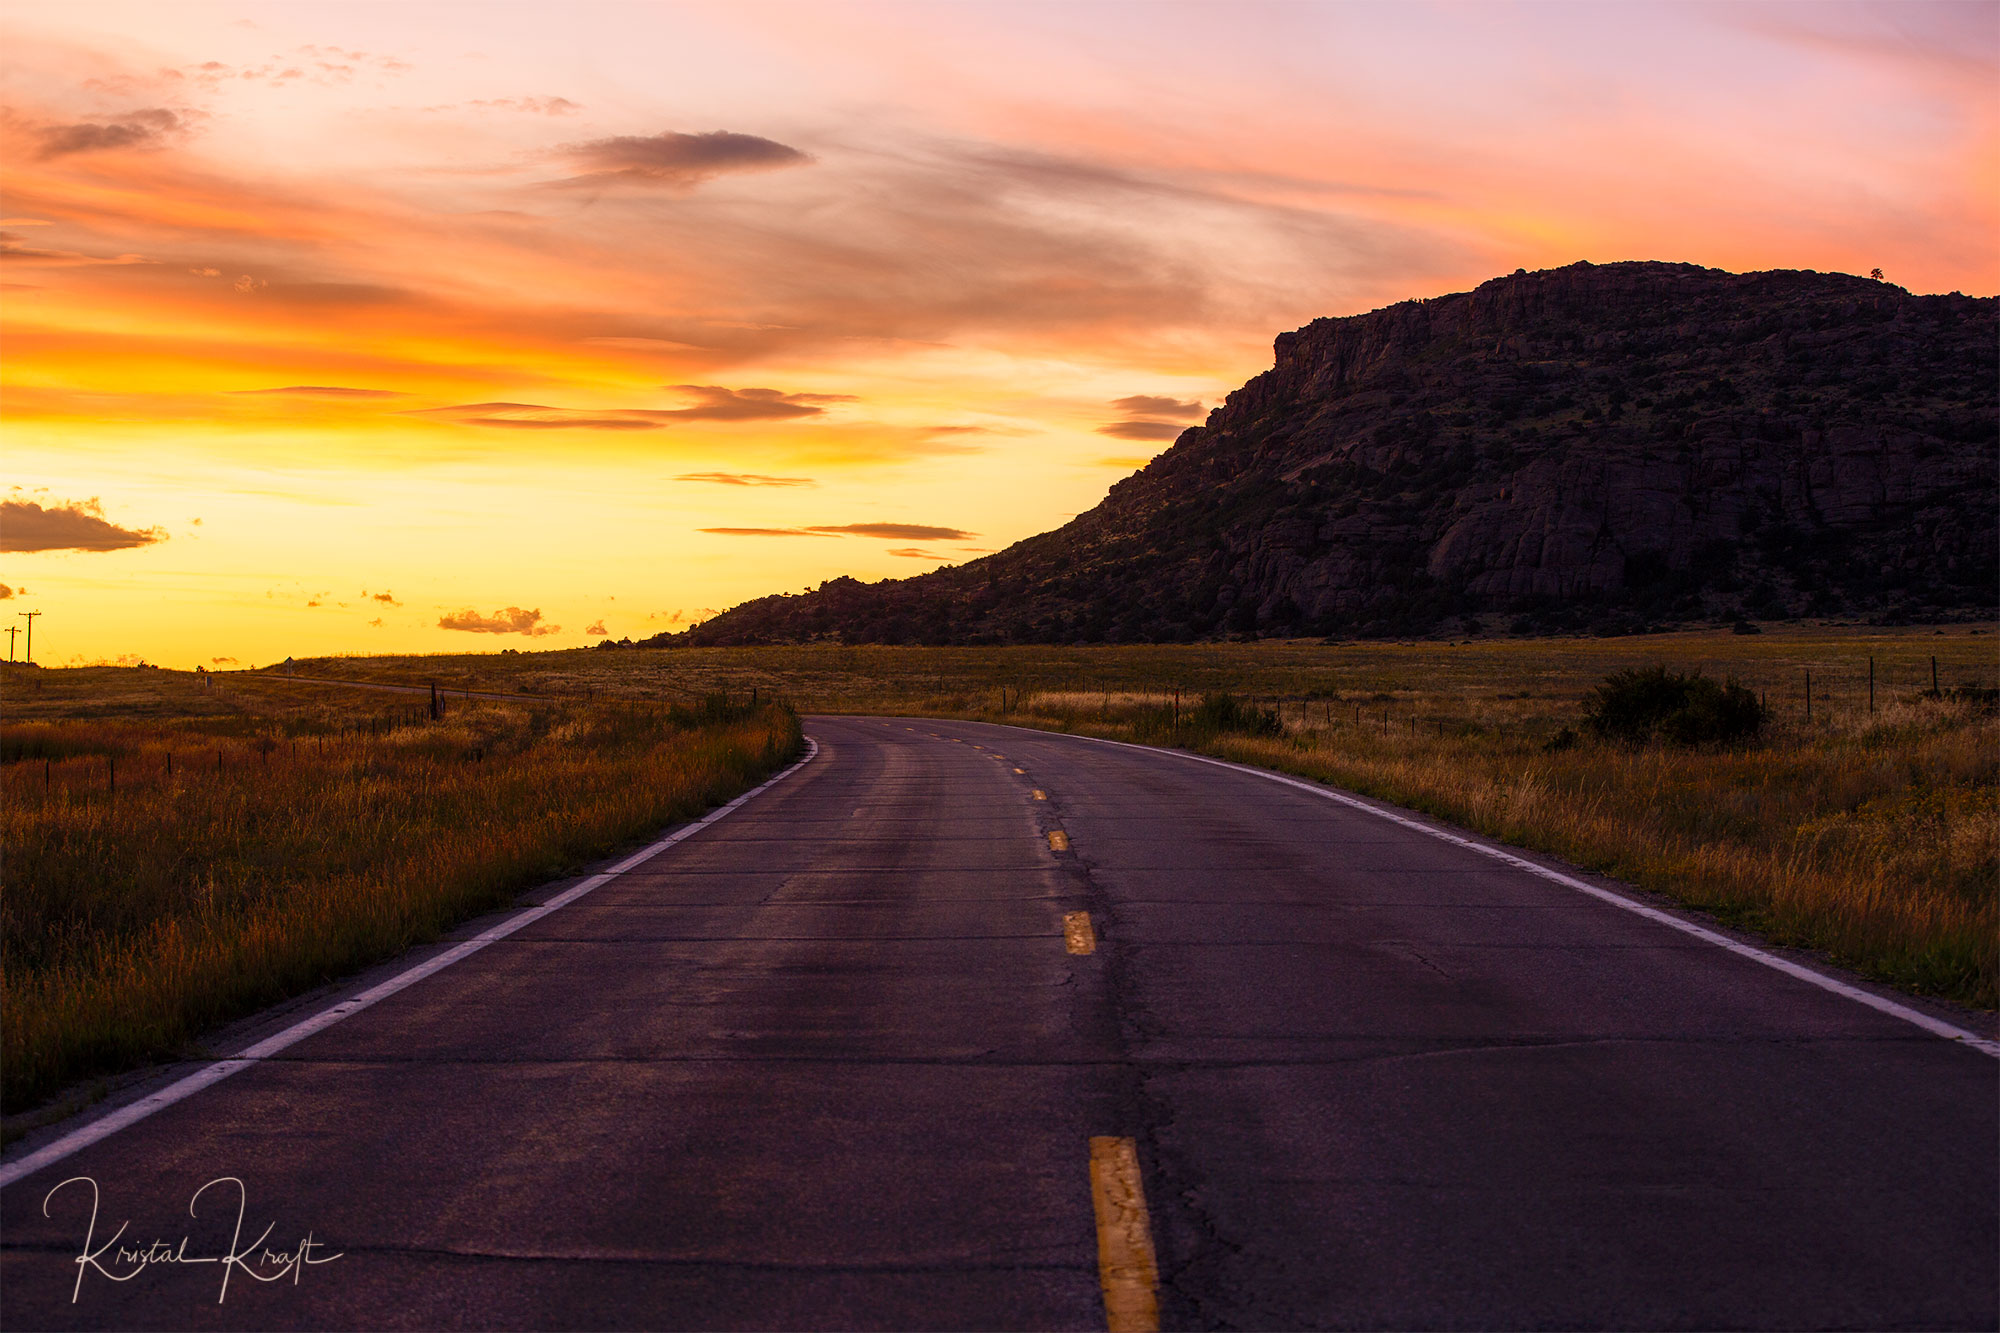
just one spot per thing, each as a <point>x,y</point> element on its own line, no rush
<point>713,403</point>
<point>765,532</point>
<point>14,249</point>
<point>895,532</point>
<point>744,479</point>
<point>645,344</point>
<point>321,391</point>
<point>508,620</point>
<point>77,526</point>
<point>676,161</point>
<point>1148,405</point>
<point>540,106</point>
<point>907,532</point>
<point>1141,430</point>
<point>719,404</point>
<point>1150,417</point>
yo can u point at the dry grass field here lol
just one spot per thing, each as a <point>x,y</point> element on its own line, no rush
<point>1870,834</point>
<point>181,850</point>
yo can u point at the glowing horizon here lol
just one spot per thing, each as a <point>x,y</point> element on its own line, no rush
<point>364,330</point>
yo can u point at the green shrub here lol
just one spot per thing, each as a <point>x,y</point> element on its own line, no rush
<point>1652,703</point>
<point>1225,712</point>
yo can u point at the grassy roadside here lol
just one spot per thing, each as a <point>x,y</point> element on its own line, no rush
<point>180,853</point>
<point>1875,843</point>
<point>1863,829</point>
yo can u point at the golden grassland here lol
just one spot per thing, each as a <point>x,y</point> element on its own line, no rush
<point>183,850</point>
<point>1870,834</point>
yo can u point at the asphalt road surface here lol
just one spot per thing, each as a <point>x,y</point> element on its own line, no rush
<point>830,1062</point>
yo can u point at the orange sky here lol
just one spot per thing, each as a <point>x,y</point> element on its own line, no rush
<point>369,328</point>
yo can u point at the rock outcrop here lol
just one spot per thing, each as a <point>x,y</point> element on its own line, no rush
<point>1608,447</point>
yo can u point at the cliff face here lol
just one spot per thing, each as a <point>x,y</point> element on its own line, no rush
<point>1586,447</point>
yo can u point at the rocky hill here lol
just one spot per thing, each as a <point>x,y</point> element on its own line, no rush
<point>1610,447</point>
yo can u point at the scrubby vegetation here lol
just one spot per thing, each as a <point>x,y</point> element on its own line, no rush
<point>189,854</point>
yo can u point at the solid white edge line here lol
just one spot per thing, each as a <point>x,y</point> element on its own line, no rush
<point>1935,1026</point>
<point>181,1089</point>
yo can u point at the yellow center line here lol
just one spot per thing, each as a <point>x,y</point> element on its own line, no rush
<point>1078,937</point>
<point>1058,841</point>
<point>1125,1264</point>
<point>1020,770</point>
<point>1041,795</point>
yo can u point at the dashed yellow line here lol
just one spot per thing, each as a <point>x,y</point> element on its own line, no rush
<point>1078,937</point>
<point>1041,795</point>
<point>1126,1267</point>
<point>1020,770</point>
<point>1058,841</point>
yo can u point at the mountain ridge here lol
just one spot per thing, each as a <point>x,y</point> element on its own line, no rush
<point>1609,447</point>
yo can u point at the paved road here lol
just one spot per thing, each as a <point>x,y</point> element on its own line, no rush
<point>829,1063</point>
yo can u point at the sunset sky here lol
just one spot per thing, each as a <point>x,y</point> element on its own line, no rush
<point>357,327</point>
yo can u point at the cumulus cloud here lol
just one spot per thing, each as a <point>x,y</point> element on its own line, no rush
<point>320,391</point>
<point>744,479</point>
<point>510,620</point>
<point>385,597</point>
<point>597,627</point>
<point>6,592</point>
<point>676,161</point>
<point>76,526</point>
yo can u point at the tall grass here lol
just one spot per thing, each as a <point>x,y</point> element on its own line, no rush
<point>1875,839</point>
<point>162,877</point>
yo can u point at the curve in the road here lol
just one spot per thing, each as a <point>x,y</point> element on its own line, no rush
<point>844,1059</point>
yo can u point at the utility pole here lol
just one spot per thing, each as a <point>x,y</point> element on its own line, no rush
<point>12,630</point>
<point>29,616</point>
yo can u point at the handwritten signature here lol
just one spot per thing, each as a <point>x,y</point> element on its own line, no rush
<point>122,1263</point>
